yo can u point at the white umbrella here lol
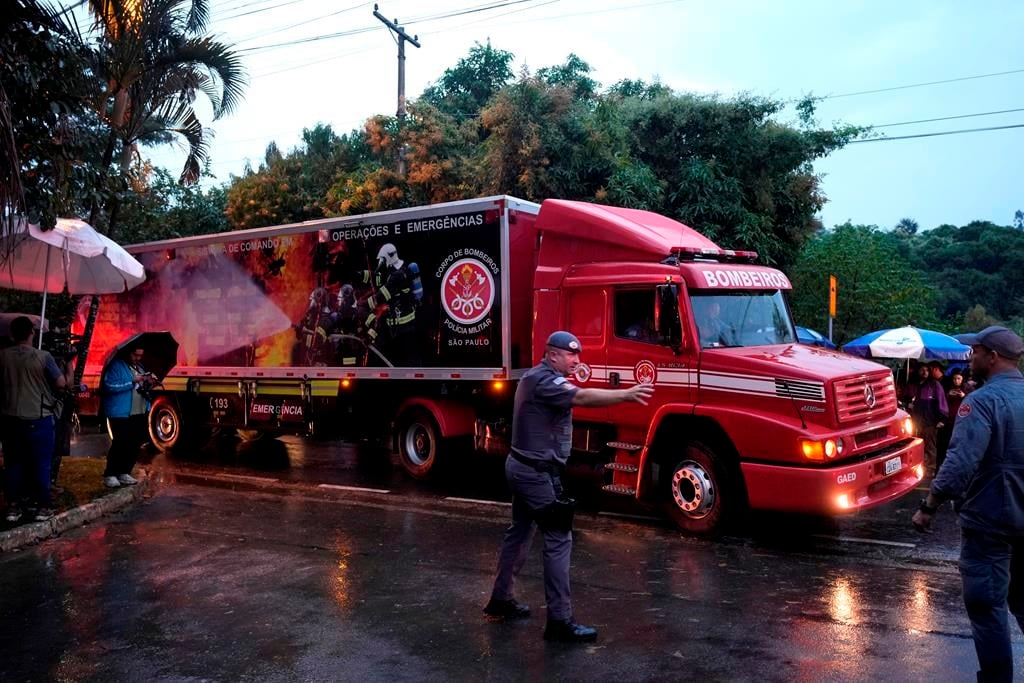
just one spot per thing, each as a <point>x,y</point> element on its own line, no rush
<point>72,255</point>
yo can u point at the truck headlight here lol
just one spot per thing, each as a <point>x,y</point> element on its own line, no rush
<point>907,426</point>
<point>813,449</point>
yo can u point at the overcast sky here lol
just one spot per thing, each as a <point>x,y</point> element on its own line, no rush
<point>782,49</point>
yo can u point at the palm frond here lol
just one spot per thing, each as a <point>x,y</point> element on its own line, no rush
<point>225,85</point>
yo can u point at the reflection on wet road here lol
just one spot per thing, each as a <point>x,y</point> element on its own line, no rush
<point>327,563</point>
<point>203,583</point>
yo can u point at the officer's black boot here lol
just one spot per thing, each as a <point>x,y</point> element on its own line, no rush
<point>568,631</point>
<point>506,609</point>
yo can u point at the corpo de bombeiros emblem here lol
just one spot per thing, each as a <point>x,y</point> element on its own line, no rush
<point>467,291</point>
<point>645,372</point>
<point>582,373</point>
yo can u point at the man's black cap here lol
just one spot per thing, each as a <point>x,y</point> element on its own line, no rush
<point>566,341</point>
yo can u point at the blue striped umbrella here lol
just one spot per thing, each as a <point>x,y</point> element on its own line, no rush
<point>908,342</point>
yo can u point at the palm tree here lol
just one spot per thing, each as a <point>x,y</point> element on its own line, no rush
<point>156,59</point>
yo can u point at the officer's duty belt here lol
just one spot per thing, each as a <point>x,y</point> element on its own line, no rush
<point>539,465</point>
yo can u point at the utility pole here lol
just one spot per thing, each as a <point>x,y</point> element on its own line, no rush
<point>402,38</point>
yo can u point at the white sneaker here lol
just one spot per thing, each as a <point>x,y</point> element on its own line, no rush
<point>111,482</point>
<point>127,479</point>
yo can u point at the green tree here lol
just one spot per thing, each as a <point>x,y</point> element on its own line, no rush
<point>906,227</point>
<point>979,263</point>
<point>48,125</point>
<point>877,288</point>
<point>294,186</point>
<point>163,208</point>
<point>574,74</point>
<point>463,90</point>
<point>730,169</point>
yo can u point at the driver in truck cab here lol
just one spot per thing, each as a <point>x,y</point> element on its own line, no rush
<point>713,330</point>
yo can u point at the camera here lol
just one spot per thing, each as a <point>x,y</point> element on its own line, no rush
<point>61,344</point>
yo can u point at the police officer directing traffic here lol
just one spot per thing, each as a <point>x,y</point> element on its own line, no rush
<point>541,437</point>
<point>983,474</point>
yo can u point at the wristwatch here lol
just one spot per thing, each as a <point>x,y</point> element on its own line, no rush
<point>926,508</point>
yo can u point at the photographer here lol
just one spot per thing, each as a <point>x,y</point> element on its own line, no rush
<point>61,345</point>
<point>124,387</point>
<point>28,377</point>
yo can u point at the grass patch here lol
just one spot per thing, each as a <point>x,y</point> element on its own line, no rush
<point>82,481</point>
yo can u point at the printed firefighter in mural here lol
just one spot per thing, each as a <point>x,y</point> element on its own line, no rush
<point>396,294</point>
<point>313,329</point>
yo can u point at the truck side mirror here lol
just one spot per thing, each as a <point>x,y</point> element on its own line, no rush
<point>666,314</point>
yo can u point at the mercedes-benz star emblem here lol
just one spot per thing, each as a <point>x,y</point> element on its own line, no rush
<point>869,396</point>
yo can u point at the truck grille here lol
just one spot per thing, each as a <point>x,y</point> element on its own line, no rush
<point>862,398</point>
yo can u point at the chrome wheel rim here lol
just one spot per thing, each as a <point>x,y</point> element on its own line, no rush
<point>693,489</point>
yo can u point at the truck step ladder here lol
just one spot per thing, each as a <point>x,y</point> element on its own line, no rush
<point>624,468</point>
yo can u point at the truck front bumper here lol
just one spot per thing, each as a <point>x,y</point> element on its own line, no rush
<point>846,487</point>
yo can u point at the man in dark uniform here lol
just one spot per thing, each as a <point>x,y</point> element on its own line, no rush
<point>984,473</point>
<point>541,436</point>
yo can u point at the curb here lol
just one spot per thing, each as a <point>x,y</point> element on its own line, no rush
<point>28,534</point>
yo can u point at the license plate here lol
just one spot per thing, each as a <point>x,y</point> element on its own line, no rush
<point>892,465</point>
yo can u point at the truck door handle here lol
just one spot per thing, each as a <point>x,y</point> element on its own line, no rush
<point>613,379</point>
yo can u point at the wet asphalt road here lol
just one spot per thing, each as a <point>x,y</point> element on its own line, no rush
<point>285,579</point>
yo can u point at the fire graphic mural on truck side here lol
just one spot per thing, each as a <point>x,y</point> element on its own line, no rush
<point>372,295</point>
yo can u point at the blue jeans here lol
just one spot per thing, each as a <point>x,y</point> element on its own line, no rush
<point>992,571</point>
<point>28,452</point>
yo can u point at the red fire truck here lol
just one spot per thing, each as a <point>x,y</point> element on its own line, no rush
<point>416,323</point>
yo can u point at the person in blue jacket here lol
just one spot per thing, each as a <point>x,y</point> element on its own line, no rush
<point>123,400</point>
<point>983,474</point>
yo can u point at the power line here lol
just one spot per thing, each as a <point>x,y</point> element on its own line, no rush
<point>565,16</point>
<point>947,118</point>
<point>311,39</point>
<point>932,135</point>
<point>425,18</point>
<point>349,53</point>
<point>264,9</point>
<point>921,85</point>
<point>301,23</point>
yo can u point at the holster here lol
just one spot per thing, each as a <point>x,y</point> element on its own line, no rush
<point>556,516</point>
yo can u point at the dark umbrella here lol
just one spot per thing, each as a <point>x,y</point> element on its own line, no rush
<point>160,351</point>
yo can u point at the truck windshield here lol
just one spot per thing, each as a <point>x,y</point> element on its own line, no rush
<point>742,318</point>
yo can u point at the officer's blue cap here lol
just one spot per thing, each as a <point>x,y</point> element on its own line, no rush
<point>566,341</point>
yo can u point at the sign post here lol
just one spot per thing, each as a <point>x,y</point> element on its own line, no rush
<point>831,303</point>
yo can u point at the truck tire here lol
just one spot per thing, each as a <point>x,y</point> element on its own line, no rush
<point>168,428</point>
<point>698,494</point>
<point>418,440</point>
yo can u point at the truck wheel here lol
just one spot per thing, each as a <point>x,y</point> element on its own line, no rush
<point>419,439</point>
<point>698,493</point>
<point>168,428</point>
<point>164,424</point>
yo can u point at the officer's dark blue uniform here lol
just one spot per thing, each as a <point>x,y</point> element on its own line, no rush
<point>984,473</point>
<point>541,437</point>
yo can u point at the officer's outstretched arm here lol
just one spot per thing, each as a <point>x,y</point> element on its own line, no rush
<point>638,393</point>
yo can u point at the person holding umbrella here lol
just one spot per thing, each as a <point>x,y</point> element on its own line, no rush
<point>124,387</point>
